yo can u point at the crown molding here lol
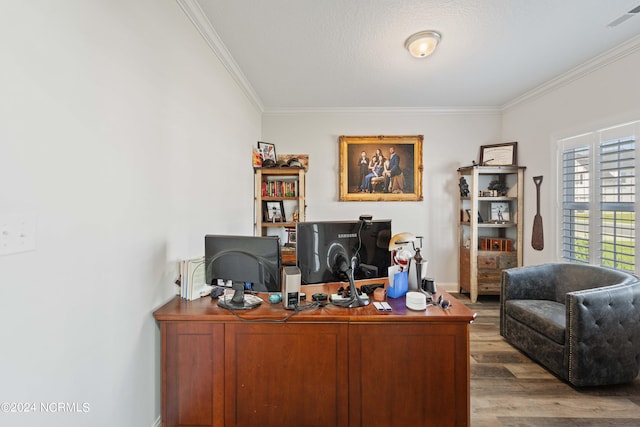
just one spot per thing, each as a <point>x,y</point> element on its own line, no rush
<point>194,12</point>
<point>609,57</point>
<point>386,111</point>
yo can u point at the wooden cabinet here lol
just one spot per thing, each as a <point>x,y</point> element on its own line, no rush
<point>286,374</point>
<point>397,375</point>
<point>279,205</point>
<point>490,230</point>
<point>193,374</point>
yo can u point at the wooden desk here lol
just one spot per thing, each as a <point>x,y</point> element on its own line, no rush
<point>329,366</point>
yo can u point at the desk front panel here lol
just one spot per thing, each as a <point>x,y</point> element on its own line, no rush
<point>292,374</point>
<point>408,375</point>
<point>192,374</point>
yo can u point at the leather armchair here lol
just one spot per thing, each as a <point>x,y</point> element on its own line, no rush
<point>581,322</point>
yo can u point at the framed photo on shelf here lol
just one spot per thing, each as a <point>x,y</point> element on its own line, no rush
<point>499,154</point>
<point>273,211</point>
<point>267,150</point>
<point>380,168</point>
<point>500,212</point>
<point>291,237</point>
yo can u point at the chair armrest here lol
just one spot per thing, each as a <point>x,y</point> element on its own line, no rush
<point>603,334</point>
<point>532,282</point>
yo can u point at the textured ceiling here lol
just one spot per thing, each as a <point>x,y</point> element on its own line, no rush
<point>327,54</point>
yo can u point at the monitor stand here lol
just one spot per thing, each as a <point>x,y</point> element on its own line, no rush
<point>355,300</point>
<point>238,300</point>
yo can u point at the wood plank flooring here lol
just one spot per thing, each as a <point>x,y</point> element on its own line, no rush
<point>508,389</point>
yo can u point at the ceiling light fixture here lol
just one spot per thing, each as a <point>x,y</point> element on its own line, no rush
<point>422,44</point>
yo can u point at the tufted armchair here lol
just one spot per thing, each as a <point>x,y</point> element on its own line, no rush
<point>581,322</point>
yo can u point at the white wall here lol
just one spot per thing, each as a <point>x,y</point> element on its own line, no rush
<point>451,140</point>
<point>607,96</point>
<point>127,138</point>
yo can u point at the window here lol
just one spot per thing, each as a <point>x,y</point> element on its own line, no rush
<point>575,205</point>
<point>598,202</point>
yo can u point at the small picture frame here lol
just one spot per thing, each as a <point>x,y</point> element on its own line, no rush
<point>273,211</point>
<point>500,212</point>
<point>499,154</point>
<point>267,150</point>
<point>291,237</point>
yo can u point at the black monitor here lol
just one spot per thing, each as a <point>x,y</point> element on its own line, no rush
<point>246,261</point>
<point>323,245</point>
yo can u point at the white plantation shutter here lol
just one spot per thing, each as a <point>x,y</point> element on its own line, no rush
<point>617,203</point>
<point>576,168</point>
<point>598,203</point>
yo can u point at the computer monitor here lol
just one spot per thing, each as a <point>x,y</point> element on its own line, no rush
<point>245,261</point>
<point>323,245</point>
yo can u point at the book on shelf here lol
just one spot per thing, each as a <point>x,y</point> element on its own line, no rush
<point>279,188</point>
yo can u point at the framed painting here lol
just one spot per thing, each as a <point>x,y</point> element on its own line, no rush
<point>380,168</point>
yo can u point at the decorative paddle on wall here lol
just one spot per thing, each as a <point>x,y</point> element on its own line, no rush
<point>537,236</point>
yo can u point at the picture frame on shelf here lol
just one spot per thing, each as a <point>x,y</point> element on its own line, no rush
<point>256,157</point>
<point>273,211</point>
<point>499,154</point>
<point>398,177</point>
<point>291,237</point>
<point>268,151</point>
<point>500,212</point>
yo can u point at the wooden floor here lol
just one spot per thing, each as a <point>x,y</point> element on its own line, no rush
<point>508,389</point>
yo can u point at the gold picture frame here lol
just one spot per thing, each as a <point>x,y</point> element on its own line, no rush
<point>397,177</point>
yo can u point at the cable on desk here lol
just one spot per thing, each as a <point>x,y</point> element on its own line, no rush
<point>297,309</point>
